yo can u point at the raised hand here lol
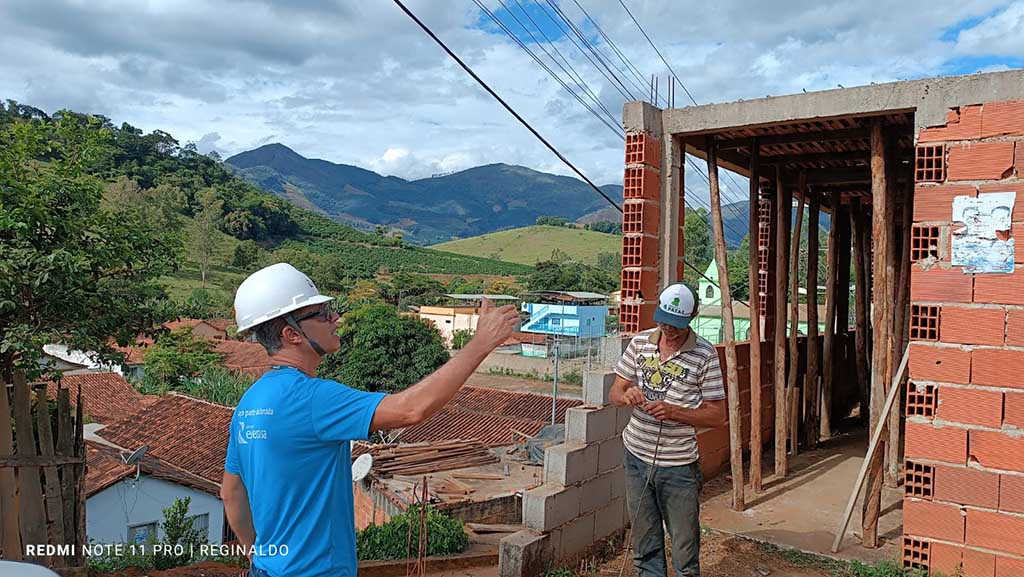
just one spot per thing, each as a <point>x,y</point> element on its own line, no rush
<point>495,325</point>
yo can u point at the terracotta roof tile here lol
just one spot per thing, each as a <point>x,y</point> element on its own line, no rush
<point>104,467</point>
<point>247,357</point>
<point>188,433</point>
<point>181,323</point>
<point>488,415</point>
<point>108,397</point>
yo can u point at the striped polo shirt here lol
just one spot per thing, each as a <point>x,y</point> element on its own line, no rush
<point>691,376</point>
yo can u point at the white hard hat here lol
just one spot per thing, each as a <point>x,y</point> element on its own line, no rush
<point>272,292</point>
<point>677,306</point>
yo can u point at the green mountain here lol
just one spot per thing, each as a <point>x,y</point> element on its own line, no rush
<point>426,211</point>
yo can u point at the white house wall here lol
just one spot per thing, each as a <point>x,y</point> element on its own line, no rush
<point>112,510</point>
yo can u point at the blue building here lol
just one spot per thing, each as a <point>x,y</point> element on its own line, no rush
<point>577,316</point>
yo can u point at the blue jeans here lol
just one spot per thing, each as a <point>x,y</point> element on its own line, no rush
<point>671,499</point>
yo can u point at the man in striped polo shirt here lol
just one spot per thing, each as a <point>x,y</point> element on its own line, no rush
<point>672,379</point>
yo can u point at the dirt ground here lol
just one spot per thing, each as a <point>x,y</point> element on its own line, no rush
<point>721,556</point>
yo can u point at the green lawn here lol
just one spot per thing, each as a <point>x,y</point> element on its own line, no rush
<point>532,244</point>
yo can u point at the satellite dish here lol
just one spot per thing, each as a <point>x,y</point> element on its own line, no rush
<point>136,455</point>
<point>361,467</point>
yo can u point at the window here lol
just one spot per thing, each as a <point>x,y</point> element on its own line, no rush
<point>710,293</point>
<point>201,523</point>
<point>140,534</point>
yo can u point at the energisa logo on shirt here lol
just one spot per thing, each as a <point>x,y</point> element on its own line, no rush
<point>245,435</point>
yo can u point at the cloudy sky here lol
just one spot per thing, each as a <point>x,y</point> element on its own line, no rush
<point>357,82</point>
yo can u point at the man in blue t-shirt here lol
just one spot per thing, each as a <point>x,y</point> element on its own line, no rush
<point>287,487</point>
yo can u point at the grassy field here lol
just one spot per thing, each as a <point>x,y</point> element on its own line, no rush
<point>531,244</point>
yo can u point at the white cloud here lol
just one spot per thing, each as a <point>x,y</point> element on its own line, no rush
<point>359,83</point>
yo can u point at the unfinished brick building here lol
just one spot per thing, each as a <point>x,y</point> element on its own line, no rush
<point>889,164</point>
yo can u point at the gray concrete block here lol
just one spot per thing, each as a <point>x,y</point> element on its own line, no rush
<point>618,477</point>
<point>597,492</point>
<point>596,387</point>
<point>589,424</point>
<point>525,553</point>
<point>550,506</point>
<point>570,463</point>
<point>624,414</point>
<point>577,535</point>
<point>610,519</point>
<point>610,454</point>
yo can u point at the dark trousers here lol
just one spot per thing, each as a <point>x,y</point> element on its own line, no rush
<point>670,499</point>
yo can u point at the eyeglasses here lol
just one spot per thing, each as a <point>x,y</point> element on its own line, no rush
<point>324,313</point>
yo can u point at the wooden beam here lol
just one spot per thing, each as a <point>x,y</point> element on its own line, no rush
<point>794,315</point>
<point>881,370</point>
<point>797,137</point>
<point>861,258</point>
<point>783,212</point>
<point>900,315</point>
<point>828,355</point>
<point>753,269</point>
<point>30,496</point>
<point>812,390</point>
<point>862,156</point>
<point>731,370</point>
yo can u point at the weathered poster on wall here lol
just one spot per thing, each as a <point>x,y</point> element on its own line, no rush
<point>981,240</point>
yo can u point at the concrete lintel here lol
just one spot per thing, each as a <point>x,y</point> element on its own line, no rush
<point>929,97</point>
<point>642,117</point>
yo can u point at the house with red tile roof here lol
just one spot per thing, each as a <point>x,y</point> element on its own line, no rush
<point>208,328</point>
<point>106,397</point>
<point>489,416</point>
<point>245,357</point>
<point>125,503</point>
<point>188,433</point>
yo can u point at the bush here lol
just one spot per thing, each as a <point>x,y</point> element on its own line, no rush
<point>461,337</point>
<point>218,385</point>
<point>445,536</point>
<point>177,356</point>
<point>178,531</point>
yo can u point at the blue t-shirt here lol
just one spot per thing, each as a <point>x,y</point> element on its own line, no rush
<point>290,445</point>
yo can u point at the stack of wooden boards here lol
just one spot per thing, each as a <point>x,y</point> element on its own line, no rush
<point>425,458</point>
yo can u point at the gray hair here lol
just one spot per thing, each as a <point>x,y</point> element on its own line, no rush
<point>268,334</point>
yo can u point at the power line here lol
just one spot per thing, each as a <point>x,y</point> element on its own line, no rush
<point>617,131</point>
<point>526,124</point>
<point>651,42</point>
<point>501,100</point>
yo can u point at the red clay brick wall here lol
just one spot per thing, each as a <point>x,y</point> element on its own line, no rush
<point>964,504</point>
<point>641,216</point>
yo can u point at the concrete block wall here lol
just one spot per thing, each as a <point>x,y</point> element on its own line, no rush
<point>964,504</point>
<point>582,500</point>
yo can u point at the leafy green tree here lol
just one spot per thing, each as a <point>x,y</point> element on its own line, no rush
<point>202,235</point>
<point>179,535</point>
<point>176,357</point>
<point>739,272</point>
<point>552,221</point>
<point>461,337</point>
<point>218,385</point>
<point>606,226</point>
<point>610,261</point>
<point>72,270</point>
<point>245,255</point>
<point>382,350</point>
<point>697,250</point>
<point>571,276</point>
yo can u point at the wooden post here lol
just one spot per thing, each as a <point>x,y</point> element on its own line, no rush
<point>30,495</point>
<point>882,316</point>
<point>861,254</point>
<point>812,391</point>
<point>756,445</point>
<point>841,377</point>
<point>828,356</point>
<point>731,370</point>
<point>901,328</point>
<point>784,212</point>
<point>10,536</point>
<point>54,509</point>
<point>794,314</point>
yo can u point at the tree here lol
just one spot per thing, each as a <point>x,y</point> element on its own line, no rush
<point>698,250</point>
<point>552,221</point>
<point>610,261</point>
<point>203,241</point>
<point>739,272</point>
<point>181,540</point>
<point>461,337</point>
<point>382,350</point>
<point>571,276</point>
<point>176,357</point>
<point>245,255</point>
<point>606,226</point>
<point>72,270</point>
